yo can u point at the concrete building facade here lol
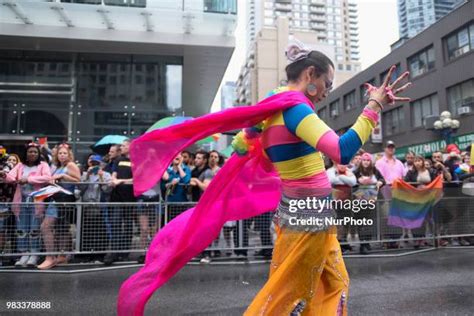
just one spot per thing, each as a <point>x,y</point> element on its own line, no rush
<point>416,15</point>
<point>440,60</point>
<point>326,25</point>
<point>265,65</point>
<point>77,70</point>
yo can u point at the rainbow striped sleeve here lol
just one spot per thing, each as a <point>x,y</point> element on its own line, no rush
<point>304,123</point>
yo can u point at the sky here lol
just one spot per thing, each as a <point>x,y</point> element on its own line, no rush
<point>378,29</point>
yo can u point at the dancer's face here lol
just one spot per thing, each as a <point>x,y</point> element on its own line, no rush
<point>317,88</point>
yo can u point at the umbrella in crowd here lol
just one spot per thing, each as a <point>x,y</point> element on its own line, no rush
<point>228,151</point>
<point>102,146</point>
<point>168,121</point>
<point>173,120</point>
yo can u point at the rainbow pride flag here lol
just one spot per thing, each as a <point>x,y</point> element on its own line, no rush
<point>410,205</point>
<point>44,193</point>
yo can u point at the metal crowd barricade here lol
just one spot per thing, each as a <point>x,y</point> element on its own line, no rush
<point>127,228</point>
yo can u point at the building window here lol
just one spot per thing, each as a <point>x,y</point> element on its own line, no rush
<point>268,5</point>
<point>421,62</point>
<point>350,100</point>
<point>461,42</point>
<point>422,108</point>
<point>122,3</point>
<point>217,6</point>
<point>340,66</point>
<point>269,13</point>
<point>393,121</point>
<point>334,109</point>
<point>364,99</point>
<point>395,74</point>
<point>268,21</point>
<point>461,95</point>
<point>348,67</point>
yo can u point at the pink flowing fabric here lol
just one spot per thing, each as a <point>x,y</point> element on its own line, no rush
<point>245,187</point>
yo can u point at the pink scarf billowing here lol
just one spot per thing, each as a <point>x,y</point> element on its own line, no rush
<point>246,186</point>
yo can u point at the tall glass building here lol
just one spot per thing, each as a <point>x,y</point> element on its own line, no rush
<point>77,70</point>
<point>416,15</point>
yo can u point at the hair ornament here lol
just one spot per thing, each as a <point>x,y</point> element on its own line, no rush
<point>296,51</point>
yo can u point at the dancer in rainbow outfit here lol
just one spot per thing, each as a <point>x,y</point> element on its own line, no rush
<point>278,159</point>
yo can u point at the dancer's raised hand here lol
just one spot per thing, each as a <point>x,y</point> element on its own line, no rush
<point>387,92</point>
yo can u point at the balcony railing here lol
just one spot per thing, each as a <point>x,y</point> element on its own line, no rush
<point>208,6</point>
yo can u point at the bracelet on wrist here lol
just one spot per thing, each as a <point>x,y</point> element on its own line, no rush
<point>376,101</point>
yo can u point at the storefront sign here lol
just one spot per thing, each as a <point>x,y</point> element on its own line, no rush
<point>426,149</point>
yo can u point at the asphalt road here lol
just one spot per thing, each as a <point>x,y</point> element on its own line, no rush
<point>439,282</point>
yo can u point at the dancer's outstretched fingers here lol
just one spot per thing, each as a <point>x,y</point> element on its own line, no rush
<point>397,81</point>
<point>401,99</point>
<point>387,78</point>
<point>402,88</point>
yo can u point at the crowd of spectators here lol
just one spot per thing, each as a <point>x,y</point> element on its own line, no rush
<point>369,178</point>
<point>107,229</point>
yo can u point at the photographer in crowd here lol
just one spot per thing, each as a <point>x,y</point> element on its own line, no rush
<point>96,183</point>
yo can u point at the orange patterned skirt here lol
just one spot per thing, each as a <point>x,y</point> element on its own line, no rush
<point>307,276</point>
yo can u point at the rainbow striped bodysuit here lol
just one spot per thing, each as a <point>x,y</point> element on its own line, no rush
<point>294,139</point>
